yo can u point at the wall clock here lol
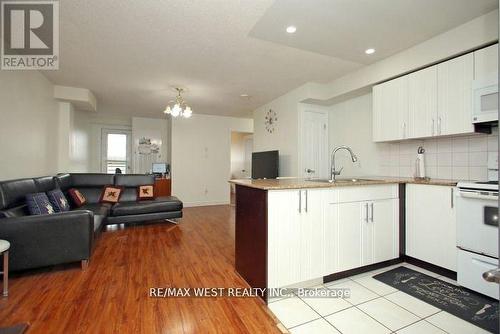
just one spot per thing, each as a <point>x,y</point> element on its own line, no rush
<point>271,120</point>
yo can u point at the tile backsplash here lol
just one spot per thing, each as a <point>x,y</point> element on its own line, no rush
<point>459,158</point>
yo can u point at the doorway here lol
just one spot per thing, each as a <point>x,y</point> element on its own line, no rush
<point>241,158</point>
<point>116,151</point>
<point>314,144</point>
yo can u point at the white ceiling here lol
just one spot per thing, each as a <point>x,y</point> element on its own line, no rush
<point>130,52</point>
<point>346,28</point>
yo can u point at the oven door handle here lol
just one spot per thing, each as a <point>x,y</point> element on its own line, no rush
<point>475,195</point>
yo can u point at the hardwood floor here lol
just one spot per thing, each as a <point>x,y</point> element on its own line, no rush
<point>111,296</point>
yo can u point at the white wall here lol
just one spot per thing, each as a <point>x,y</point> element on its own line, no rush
<point>73,139</point>
<point>350,123</point>
<point>201,155</point>
<point>28,125</point>
<point>90,126</point>
<point>285,137</point>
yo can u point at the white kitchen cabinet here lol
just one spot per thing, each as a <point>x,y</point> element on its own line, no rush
<point>368,230</point>
<point>455,96</point>
<point>423,103</point>
<point>383,231</point>
<point>390,110</point>
<point>284,229</point>
<point>317,232</point>
<point>431,225</point>
<point>300,236</point>
<point>486,62</point>
<point>349,238</point>
<point>435,101</point>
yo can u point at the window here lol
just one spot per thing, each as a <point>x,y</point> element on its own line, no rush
<point>116,151</point>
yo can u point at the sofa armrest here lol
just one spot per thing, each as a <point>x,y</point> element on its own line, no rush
<point>45,240</point>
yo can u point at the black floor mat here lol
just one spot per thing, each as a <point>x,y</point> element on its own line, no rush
<point>475,308</point>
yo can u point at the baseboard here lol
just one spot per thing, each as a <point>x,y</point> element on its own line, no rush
<point>431,267</point>
<point>360,270</point>
<point>208,203</point>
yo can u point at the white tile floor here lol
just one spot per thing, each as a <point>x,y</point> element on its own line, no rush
<point>373,307</point>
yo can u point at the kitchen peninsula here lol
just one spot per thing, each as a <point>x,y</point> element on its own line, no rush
<point>290,231</point>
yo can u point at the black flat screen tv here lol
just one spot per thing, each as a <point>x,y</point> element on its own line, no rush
<point>265,165</point>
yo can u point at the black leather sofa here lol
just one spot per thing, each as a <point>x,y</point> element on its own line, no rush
<point>44,240</point>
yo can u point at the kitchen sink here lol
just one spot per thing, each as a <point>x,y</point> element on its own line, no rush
<point>338,180</point>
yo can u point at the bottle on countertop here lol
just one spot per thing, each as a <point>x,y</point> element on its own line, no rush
<point>420,164</point>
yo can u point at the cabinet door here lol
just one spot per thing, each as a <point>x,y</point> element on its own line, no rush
<point>486,62</point>
<point>455,96</point>
<point>380,233</point>
<point>430,225</point>
<point>423,103</point>
<point>312,234</point>
<point>284,238</point>
<point>384,215</point>
<point>390,110</point>
<point>351,216</point>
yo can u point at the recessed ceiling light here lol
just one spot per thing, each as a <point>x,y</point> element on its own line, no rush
<point>370,51</point>
<point>244,95</point>
<point>291,29</point>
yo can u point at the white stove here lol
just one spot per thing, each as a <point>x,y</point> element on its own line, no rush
<point>477,231</point>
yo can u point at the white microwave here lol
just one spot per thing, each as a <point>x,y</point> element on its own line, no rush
<point>485,99</point>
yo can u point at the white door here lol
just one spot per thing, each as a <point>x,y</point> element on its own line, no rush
<point>423,103</point>
<point>315,144</point>
<point>455,96</point>
<point>116,151</point>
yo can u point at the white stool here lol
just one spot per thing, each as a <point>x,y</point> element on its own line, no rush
<point>4,249</point>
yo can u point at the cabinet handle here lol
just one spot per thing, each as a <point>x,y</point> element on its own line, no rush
<point>372,212</point>
<point>432,127</point>
<point>366,212</point>
<point>300,201</point>
<point>439,126</point>
<point>306,199</point>
<point>452,200</point>
<point>404,130</point>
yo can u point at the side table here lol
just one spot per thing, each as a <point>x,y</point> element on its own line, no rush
<point>4,250</point>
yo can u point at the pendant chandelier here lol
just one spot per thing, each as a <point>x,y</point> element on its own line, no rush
<point>179,107</point>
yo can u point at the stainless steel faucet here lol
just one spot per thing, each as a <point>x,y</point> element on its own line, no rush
<point>333,169</point>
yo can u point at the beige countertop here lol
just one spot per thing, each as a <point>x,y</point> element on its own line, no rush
<point>296,183</point>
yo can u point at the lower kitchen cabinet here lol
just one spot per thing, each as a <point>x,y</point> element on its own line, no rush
<point>317,232</point>
<point>368,233</point>
<point>431,225</point>
<point>381,232</point>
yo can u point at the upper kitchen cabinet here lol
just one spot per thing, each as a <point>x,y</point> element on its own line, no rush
<point>485,61</point>
<point>435,101</point>
<point>454,110</point>
<point>423,99</point>
<point>390,110</point>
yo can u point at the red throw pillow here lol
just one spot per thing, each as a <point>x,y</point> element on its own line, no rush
<point>145,192</point>
<point>111,194</point>
<point>77,197</point>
